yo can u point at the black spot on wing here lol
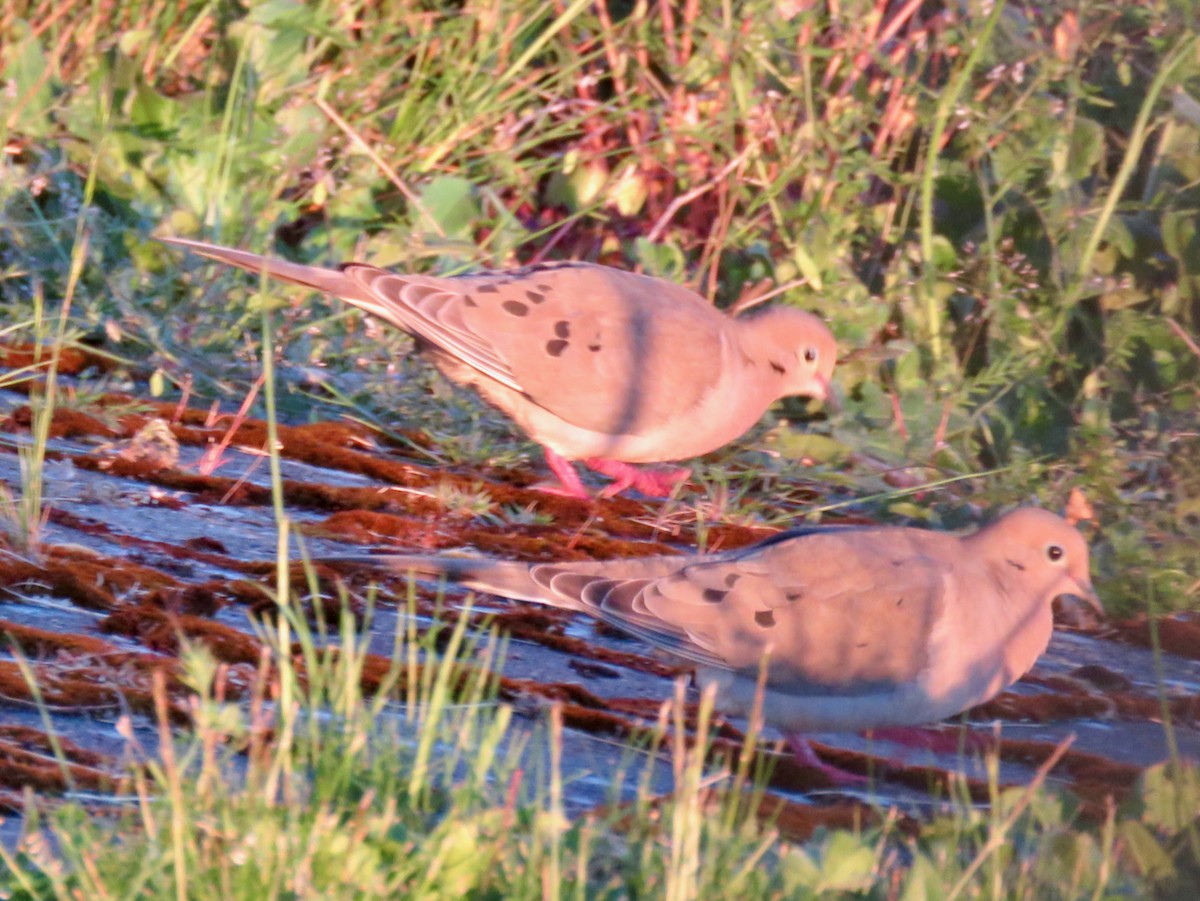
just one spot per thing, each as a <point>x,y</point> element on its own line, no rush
<point>515,307</point>
<point>488,289</point>
<point>732,579</point>
<point>713,595</point>
<point>556,347</point>
<point>562,329</point>
<point>469,301</point>
<point>593,347</point>
<point>535,297</point>
<point>765,618</point>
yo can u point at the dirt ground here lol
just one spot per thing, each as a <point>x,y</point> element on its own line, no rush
<point>141,548</point>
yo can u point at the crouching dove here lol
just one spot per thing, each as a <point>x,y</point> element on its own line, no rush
<point>595,364</point>
<point>859,627</point>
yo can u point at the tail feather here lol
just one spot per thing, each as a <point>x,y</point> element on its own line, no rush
<point>503,578</point>
<point>331,281</point>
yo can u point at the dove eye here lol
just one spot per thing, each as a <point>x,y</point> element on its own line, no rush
<point>1054,553</point>
<point>810,355</point>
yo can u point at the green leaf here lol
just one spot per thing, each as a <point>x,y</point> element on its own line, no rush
<point>1181,238</point>
<point>29,90</point>
<point>945,257</point>
<point>848,866</point>
<point>628,193</point>
<point>924,882</point>
<point>797,445</point>
<point>799,869</point>
<point>665,260</point>
<point>1086,150</point>
<point>153,114</point>
<point>808,268</point>
<point>450,200</point>
<point>1145,850</point>
<point>1170,795</point>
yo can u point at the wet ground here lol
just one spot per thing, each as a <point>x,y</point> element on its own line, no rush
<point>141,547</point>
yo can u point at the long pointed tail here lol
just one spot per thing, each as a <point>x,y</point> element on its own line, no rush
<point>332,281</point>
<point>504,578</point>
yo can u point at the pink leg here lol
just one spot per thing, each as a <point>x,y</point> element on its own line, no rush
<point>650,482</point>
<point>936,740</point>
<point>806,756</point>
<point>561,467</point>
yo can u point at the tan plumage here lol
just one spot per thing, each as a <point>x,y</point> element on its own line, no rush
<point>594,363</point>
<point>861,627</point>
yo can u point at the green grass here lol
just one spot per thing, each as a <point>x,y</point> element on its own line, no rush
<point>426,790</point>
<point>994,205</point>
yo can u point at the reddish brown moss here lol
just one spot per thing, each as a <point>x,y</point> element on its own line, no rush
<point>35,642</point>
<point>87,688</point>
<point>71,360</point>
<point>75,582</point>
<point>1176,634</point>
<point>64,423</point>
<point>162,631</point>
<point>370,527</point>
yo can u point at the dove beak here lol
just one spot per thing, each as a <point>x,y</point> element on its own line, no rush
<point>825,393</point>
<point>1088,594</point>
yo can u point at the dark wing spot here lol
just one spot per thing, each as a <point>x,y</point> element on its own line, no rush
<point>535,297</point>
<point>765,618</point>
<point>732,579</point>
<point>545,288</point>
<point>778,368</point>
<point>469,301</point>
<point>515,307</point>
<point>488,289</point>
<point>1015,565</point>
<point>562,328</point>
<point>794,596</point>
<point>713,595</point>
<point>556,347</point>
<point>593,347</point>
<point>899,602</point>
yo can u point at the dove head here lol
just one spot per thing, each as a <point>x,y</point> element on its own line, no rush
<point>797,346</point>
<point>1048,553</point>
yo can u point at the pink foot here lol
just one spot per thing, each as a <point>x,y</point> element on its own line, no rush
<point>936,740</point>
<point>571,485</point>
<point>650,482</point>
<point>806,756</point>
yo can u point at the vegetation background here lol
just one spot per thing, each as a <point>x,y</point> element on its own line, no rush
<point>995,205</point>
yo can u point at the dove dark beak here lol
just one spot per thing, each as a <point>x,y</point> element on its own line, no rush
<point>1088,594</point>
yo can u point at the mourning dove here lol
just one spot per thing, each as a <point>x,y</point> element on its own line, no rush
<point>595,364</point>
<point>859,627</point>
